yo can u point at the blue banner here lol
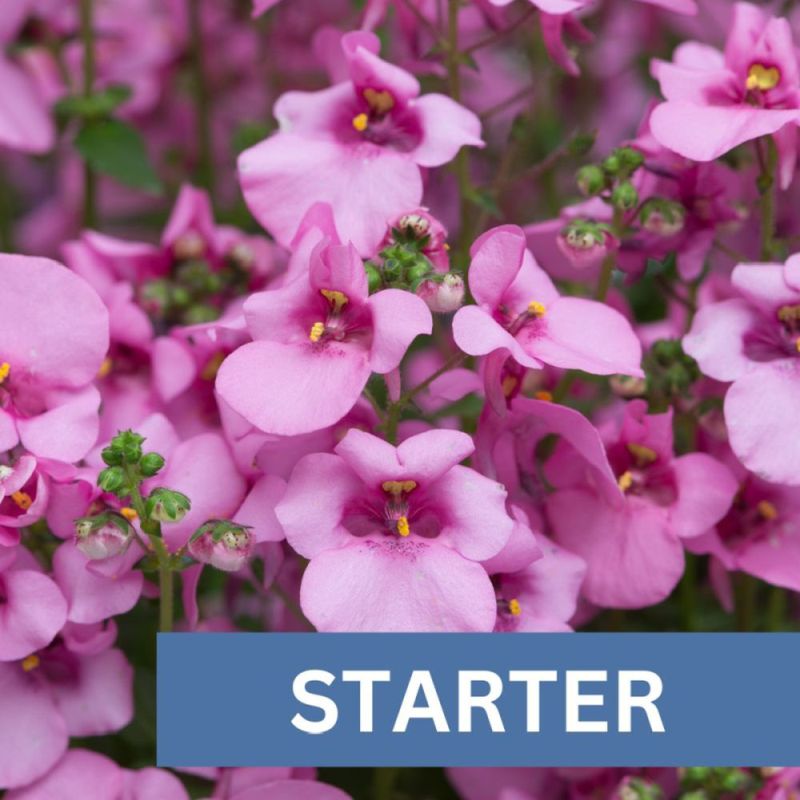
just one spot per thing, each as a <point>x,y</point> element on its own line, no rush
<point>645,699</point>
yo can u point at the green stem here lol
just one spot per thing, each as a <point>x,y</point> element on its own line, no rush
<point>86,11</point>
<point>767,186</point>
<point>777,608</point>
<point>688,593</point>
<point>465,190</point>
<point>205,168</point>
<point>607,268</point>
<point>396,409</point>
<point>6,226</point>
<point>166,600</point>
<point>745,590</point>
<point>383,782</point>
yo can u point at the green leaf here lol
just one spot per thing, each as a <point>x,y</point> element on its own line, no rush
<point>114,148</point>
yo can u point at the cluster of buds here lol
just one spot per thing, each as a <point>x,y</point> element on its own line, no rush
<point>586,243</point>
<point>125,462</point>
<point>702,783</point>
<point>635,788</point>
<point>611,179</point>
<point>415,257</point>
<point>670,372</point>
<point>196,289</point>
<point>223,544</point>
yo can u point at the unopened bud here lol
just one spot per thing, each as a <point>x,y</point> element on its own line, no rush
<point>416,224</point>
<point>189,245</point>
<point>113,480</point>
<point>243,256</point>
<point>374,277</point>
<point>624,196</point>
<point>222,544</point>
<point>151,464</point>
<point>128,445</point>
<point>445,295</point>
<point>167,505</point>
<point>662,217</point>
<point>628,386</point>
<point>591,180</point>
<point>103,536</point>
<point>585,243</point>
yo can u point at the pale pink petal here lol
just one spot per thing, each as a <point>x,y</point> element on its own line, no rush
<point>447,127</point>
<point>398,317</point>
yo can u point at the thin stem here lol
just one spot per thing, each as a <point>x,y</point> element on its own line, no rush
<point>504,104</point>
<point>498,36</point>
<point>688,593</point>
<point>396,409</point>
<point>607,268</point>
<point>767,186</point>
<point>777,608</point>
<point>6,226</point>
<point>383,782</point>
<point>86,11</point>
<point>465,190</point>
<point>166,599</point>
<point>374,403</point>
<point>202,103</point>
<point>745,589</point>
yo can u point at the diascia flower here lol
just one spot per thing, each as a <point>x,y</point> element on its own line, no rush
<point>317,342</point>
<point>52,344</point>
<point>754,341</point>
<point>629,529</point>
<point>358,145</point>
<point>519,313</point>
<point>718,100</point>
<point>394,534</point>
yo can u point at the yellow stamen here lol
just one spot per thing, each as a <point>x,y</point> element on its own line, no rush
<point>5,368</point>
<point>544,395</point>
<point>644,455</point>
<point>509,384</point>
<point>445,246</point>
<point>767,510</point>
<point>762,78</point>
<point>797,344</point>
<point>317,329</point>
<point>29,663</point>
<point>379,101</point>
<point>398,487</point>
<point>402,526</point>
<point>212,366</point>
<point>105,367</point>
<point>360,122</point>
<point>338,300</point>
<point>22,499</point>
<point>514,608</point>
<point>129,514</point>
<point>536,309</point>
<point>625,481</point>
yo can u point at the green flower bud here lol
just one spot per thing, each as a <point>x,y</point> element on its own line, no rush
<point>200,313</point>
<point>113,480</point>
<point>151,464</point>
<point>630,159</point>
<point>129,445</point>
<point>419,271</point>
<point>155,296</point>
<point>662,217</point>
<point>624,196</point>
<point>374,277</point>
<point>167,505</point>
<point>111,456</point>
<point>612,164</point>
<point>591,180</point>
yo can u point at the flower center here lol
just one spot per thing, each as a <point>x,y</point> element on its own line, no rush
<point>337,301</point>
<point>767,510</point>
<point>5,369</point>
<point>762,78</point>
<point>643,455</point>
<point>536,309</point>
<point>396,507</point>
<point>380,103</point>
<point>789,317</point>
<point>625,481</point>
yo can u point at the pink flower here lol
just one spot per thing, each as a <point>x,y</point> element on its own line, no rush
<point>519,313</point>
<point>317,341</point>
<point>629,528</point>
<point>716,101</point>
<point>83,773</point>
<point>394,534</point>
<point>754,341</point>
<point>76,687</point>
<point>358,145</point>
<point>53,338</point>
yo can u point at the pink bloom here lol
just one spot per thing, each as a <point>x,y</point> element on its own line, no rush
<point>83,773</point>
<point>716,101</point>
<point>32,607</point>
<point>52,343</point>
<point>520,313</point>
<point>753,340</point>
<point>358,145</point>
<point>317,341</point>
<point>628,528</point>
<point>394,534</point>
